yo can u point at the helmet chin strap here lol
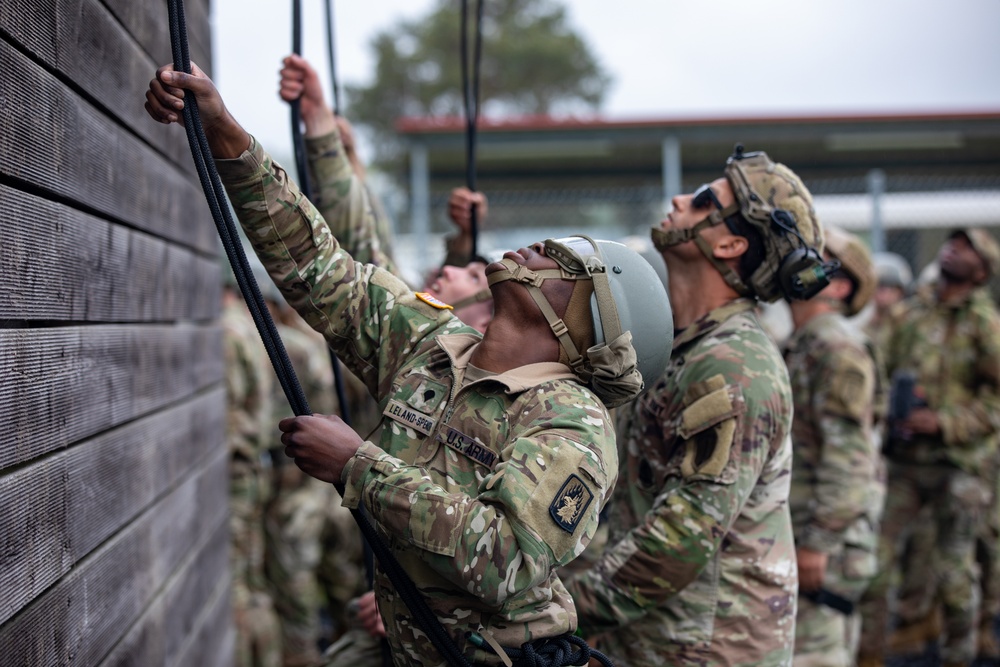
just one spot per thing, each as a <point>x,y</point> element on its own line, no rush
<point>532,280</point>
<point>668,238</point>
<point>481,296</point>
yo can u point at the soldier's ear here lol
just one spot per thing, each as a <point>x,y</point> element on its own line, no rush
<point>730,246</point>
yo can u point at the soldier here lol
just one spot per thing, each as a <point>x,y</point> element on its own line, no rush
<point>358,221</point>
<point>894,278</point>
<point>838,483</point>
<point>700,567</point>
<point>942,452</point>
<point>248,387</point>
<point>356,218</point>
<point>496,454</point>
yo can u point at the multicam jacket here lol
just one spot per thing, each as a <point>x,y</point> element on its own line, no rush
<point>482,487</point>
<point>837,474</point>
<point>248,435</point>
<point>356,218</point>
<point>701,567</point>
<point>954,350</point>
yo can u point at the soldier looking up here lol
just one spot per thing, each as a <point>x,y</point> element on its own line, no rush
<point>942,454</point>
<point>497,452</point>
<point>838,479</point>
<point>700,566</point>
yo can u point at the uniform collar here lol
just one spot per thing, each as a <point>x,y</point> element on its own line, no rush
<point>459,348</point>
<point>711,321</point>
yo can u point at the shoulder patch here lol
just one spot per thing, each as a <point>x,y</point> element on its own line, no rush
<point>432,300</point>
<point>570,503</point>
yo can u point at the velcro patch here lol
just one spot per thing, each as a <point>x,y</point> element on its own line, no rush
<point>432,300</point>
<point>469,446</point>
<point>569,505</point>
<point>418,421</point>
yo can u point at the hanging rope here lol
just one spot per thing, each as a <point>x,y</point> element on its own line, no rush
<point>302,167</point>
<point>215,194</point>
<point>470,98</point>
<point>332,57</point>
<point>226,227</point>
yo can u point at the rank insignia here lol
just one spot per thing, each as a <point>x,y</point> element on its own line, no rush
<point>432,300</point>
<point>570,503</point>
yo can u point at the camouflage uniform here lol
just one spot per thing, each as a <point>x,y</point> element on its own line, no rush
<point>482,485</point>
<point>705,573</point>
<point>298,508</point>
<point>954,350</point>
<point>358,221</point>
<point>837,477</point>
<point>248,383</point>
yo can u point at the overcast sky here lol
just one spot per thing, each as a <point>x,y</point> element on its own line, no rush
<point>673,57</point>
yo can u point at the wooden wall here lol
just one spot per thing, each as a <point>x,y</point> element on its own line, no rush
<point>113,532</point>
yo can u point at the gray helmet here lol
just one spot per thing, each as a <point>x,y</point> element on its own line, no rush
<point>617,331</point>
<point>892,270</point>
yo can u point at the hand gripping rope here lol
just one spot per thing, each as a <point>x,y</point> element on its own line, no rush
<point>470,98</point>
<point>548,653</point>
<point>215,194</point>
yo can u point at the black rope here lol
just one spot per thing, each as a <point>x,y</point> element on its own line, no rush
<point>470,98</point>
<point>215,194</point>
<point>332,57</point>
<point>551,652</point>
<point>216,198</point>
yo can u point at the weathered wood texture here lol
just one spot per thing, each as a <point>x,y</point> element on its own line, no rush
<point>56,141</point>
<point>113,464</point>
<point>64,384</point>
<point>81,618</point>
<point>112,274</point>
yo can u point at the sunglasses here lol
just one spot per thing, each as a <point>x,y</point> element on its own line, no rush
<point>704,197</point>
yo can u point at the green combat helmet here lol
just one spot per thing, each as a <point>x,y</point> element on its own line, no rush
<point>618,328</point>
<point>775,202</point>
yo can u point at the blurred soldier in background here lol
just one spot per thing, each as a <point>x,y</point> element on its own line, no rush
<point>248,425</point>
<point>944,357</point>
<point>894,279</point>
<point>838,479</point>
<point>700,565</point>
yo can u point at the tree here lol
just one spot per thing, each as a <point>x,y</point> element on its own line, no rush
<point>532,63</point>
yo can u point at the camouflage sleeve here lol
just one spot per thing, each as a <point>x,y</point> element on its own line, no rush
<point>977,415</point>
<point>842,404</point>
<point>519,526</point>
<point>349,207</point>
<point>367,315</point>
<point>684,529</point>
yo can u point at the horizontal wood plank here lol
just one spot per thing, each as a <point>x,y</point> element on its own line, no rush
<point>189,620</point>
<point>61,385</point>
<point>54,140</point>
<point>81,618</point>
<point>60,509</point>
<point>147,21</point>
<point>84,42</point>
<point>57,263</point>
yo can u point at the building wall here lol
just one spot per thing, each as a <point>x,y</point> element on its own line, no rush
<point>113,532</point>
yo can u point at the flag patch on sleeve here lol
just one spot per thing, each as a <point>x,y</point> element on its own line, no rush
<point>432,300</point>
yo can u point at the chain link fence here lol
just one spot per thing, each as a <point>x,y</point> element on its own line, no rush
<point>909,215</point>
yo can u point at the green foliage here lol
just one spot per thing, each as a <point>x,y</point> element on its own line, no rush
<point>532,63</point>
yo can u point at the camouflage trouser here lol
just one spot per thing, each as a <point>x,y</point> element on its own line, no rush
<point>825,637</point>
<point>293,523</point>
<point>958,502</point>
<point>355,648</point>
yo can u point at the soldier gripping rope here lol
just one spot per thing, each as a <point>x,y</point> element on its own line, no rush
<point>577,326</point>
